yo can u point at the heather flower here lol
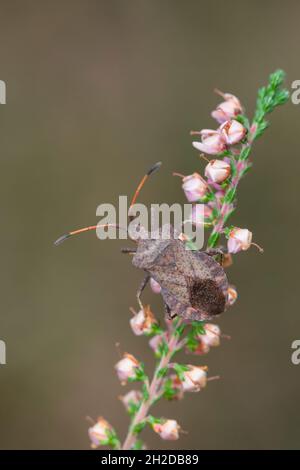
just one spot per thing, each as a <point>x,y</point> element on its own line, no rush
<point>168,429</point>
<point>230,108</point>
<point>212,335</point>
<point>141,323</point>
<point>194,187</point>
<point>217,171</point>
<point>99,434</point>
<point>127,367</point>
<point>194,379</point>
<point>212,142</point>
<point>133,397</point>
<point>232,132</point>
<point>240,239</point>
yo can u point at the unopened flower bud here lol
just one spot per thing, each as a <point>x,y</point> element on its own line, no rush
<point>99,433</point>
<point>232,132</point>
<point>126,368</point>
<point>231,295</point>
<point>141,323</point>
<point>168,430</point>
<point>229,109</point>
<point>239,240</point>
<point>217,171</point>
<point>155,342</point>
<point>194,379</point>
<point>155,286</point>
<point>131,398</point>
<point>212,142</point>
<point>194,187</point>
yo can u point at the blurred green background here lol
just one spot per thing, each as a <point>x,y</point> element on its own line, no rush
<point>97,91</point>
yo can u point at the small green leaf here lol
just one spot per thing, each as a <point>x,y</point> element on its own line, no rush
<point>139,427</point>
<point>169,392</point>
<point>156,329</point>
<point>228,230</point>
<point>112,439</point>
<point>140,375</point>
<point>162,372</point>
<point>153,420</point>
<point>132,408</point>
<point>192,344</point>
<point>145,393</point>
<point>163,348</point>
<point>179,330</point>
<point>138,445</point>
<point>198,328</point>
<point>180,369</point>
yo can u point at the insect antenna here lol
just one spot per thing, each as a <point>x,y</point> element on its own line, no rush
<point>85,229</point>
<point>64,237</point>
<point>152,170</point>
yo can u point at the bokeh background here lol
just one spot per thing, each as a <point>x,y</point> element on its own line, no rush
<point>97,91</point>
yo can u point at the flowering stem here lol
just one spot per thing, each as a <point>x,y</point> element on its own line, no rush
<point>154,388</point>
<point>227,205</point>
<point>231,143</point>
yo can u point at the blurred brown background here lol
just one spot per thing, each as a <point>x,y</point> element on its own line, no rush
<point>97,91</point>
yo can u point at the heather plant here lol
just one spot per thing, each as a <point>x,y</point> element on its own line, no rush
<point>230,145</point>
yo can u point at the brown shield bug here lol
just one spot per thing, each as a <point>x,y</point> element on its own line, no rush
<point>193,284</point>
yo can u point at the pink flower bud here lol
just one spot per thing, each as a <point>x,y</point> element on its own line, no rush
<point>212,142</point>
<point>231,295</point>
<point>99,433</point>
<point>200,214</point>
<point>239,240</point>
<point>194,379</point>
<point>229,109</point>
<point>156,341</point>
<point>212,335</point>
<point>232,132</point>
<point>194,187</point>
<point>217,171</point>
<point>131,398</point>
<point>142,322</point>
<point>168,430</point>
<point>126,368</point>
<point>155,286</point>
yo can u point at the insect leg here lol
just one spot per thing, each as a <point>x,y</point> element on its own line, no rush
<point>216,252</point>
<point>169,314</point>
<point>141,288</point>
<point>128,250</point>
